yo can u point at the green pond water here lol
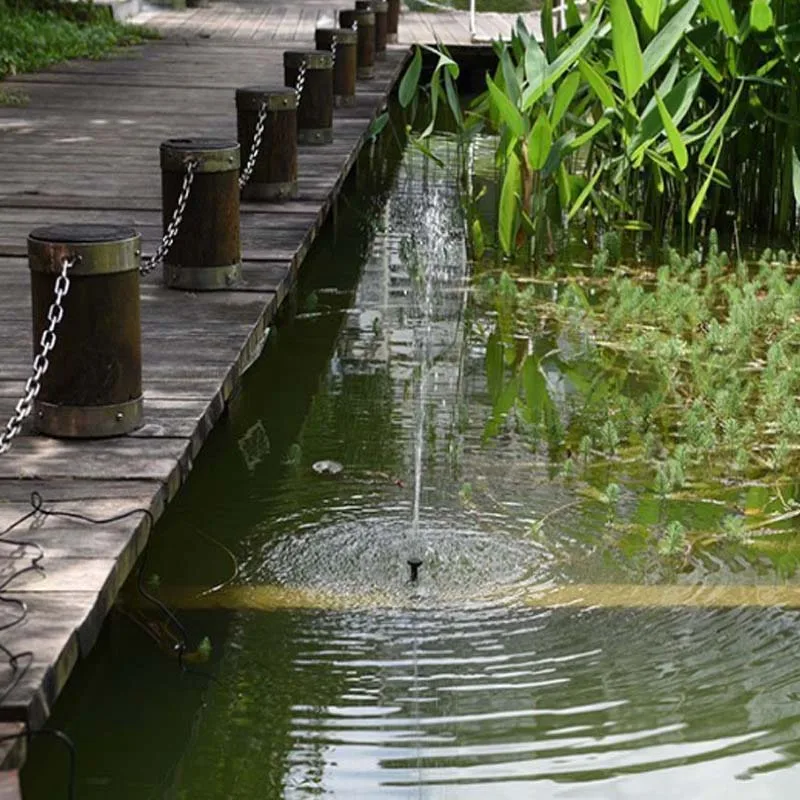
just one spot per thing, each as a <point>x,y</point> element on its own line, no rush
<point>330,674</point>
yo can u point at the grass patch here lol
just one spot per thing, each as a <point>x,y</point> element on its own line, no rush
<point>496,6</point>
<point>33,38</point>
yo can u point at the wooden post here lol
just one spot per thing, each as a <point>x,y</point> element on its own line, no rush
<point>392,21</point>
<point>274,175</point>
<point>381,10</point>
<point>93,386</point>
<point>315,104</point>
<point>366,40</point>
<point>345,63</point>
<point>206,253</point>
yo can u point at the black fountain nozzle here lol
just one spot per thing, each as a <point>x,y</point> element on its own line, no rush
<point>414,564</point>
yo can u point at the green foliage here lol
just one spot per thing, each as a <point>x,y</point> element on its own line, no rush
<point>644,116</point>
<point>33,39</point>
<point>673,541</point>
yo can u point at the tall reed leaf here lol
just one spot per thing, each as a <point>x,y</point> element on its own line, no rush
<point>651,13</point>
<point>598,84</point>
<point>719,127</point>
<point>408,86</point>
<point>674,137</point>
<point>678,102</point>
<point>627,53</point>
<point>539,142</point>
<point>697,203</point>
<point>509,114</point>
<point>663,43</point>
<point>568,56</point>
<point>720,11</point>
<point>507,221</point>
<point>564,97</point>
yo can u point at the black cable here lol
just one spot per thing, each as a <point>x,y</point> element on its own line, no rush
<point>65,740</point>
<point>183,638</point>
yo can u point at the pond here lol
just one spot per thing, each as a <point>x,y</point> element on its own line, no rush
<point>330,672</point>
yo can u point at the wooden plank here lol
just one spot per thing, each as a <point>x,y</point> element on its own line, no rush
<point>88,141</point>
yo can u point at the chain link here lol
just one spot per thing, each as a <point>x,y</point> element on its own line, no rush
<point>333,50</point>
<point>301,81</point>
<point>172,229</point>
<point>255,146</point>
<point>41,363</point>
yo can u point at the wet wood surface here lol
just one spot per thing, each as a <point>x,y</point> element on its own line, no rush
<point>85,149</point>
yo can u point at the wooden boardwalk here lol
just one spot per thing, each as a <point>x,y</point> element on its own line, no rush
<point>85,149</point>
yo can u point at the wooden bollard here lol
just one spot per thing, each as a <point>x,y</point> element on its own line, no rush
<point>345,63</point>
<point>392,21</point>
<point>366,39</point>
<point>93,386</point>
<point>274,175</point>
<point>315,104</point>
<point>205,254</point>
<point>381,10</point>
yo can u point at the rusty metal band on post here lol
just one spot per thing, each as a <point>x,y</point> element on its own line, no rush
<point>315,105</point>
<point>205,255</point>
<point>381,10</point>
<point>365,23</point>
<point>274,175</point>
<point>392,21</point>
<point>345,64</point>
<point>93,387</point>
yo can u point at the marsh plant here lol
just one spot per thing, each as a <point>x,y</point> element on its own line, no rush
<point>667,116</point>
<point>685,378</point>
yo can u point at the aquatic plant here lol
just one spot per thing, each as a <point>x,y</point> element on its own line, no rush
<point>639,115</point>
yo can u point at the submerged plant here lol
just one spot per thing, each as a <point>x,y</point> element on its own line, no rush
<point>673,541</point>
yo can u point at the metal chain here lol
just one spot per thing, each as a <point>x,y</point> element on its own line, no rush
<point>301,81</point>
<point>333,50</point>
<point>40,363</point>
<point>174,224</point>
<point>255,146</point>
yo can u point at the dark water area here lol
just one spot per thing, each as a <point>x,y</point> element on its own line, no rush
<point>330,674</point>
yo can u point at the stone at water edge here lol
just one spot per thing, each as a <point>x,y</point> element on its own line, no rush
<point>326,467</point>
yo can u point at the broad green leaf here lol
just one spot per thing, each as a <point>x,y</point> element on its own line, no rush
<point>678,102</point>
<point>796,176</point>
<point>507,222</point>
<point>720,10</point>
<point>557,151</point>
<point>761,17</point>
<point>378,124</point>
<point>408,86</point>
<point>719,127</point>
<point>573,16</point>
<point>564,187</point>
<point>707,64</point>
<point>566,91</point>
<point>663,43</point>
<point>651,13</point>
<point>502,405</point>
<point>627,53</point>
<point>697,203</point>
<point>539,142</point>
<point>568,56</point>
<point>597,83</point>
<point>452,99</point>
<point>509,113</point>
<point>537,394</point>
<point>677,145</point>
<point>510,77</point>
<point>587,190</point>
<point>587,136</point>
<point>535,63</point>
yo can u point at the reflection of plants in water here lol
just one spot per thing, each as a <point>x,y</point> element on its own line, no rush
<point>686,376</point>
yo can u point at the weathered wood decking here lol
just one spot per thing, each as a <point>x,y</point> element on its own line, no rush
<point>85,149</point>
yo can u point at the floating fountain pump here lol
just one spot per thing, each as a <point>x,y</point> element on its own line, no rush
<point>414,563</point>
